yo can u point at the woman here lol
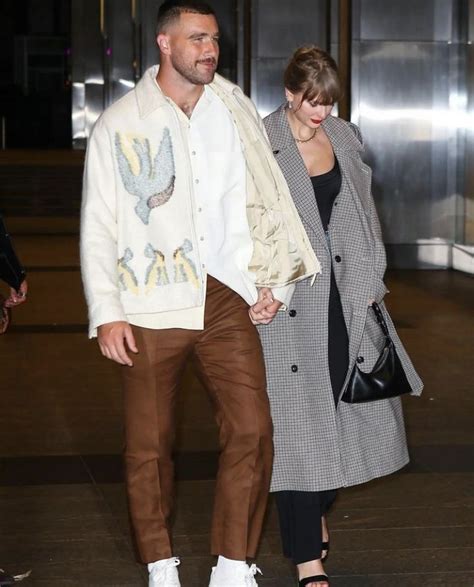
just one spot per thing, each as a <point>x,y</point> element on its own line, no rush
<point>322,443</point>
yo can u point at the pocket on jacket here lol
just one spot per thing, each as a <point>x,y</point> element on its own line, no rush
<point>380,290</point>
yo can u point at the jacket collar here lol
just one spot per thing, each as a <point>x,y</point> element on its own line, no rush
<point>148,93</point>
<point>342,140</point>
<point>150,97</point>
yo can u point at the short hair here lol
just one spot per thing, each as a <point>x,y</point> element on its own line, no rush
<point>313,72</point>
<point>171,10</point>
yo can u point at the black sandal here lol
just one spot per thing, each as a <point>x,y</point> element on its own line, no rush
<point>315,579</point>
<point>325,546</point>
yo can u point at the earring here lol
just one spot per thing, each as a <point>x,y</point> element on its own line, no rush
<point>290,105</point>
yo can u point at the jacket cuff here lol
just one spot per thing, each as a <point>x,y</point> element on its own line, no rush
<point>104,314</point>
<point>284,295</point>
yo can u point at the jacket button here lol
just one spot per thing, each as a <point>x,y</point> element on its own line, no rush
<point>337,258</point>
<point>294,368</point>
<point>360,359</point>
<point>292,313</point>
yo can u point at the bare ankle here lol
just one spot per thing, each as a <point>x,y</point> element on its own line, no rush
<point>310,568</point>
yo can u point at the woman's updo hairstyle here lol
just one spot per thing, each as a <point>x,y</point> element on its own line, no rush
<point>313,72</point>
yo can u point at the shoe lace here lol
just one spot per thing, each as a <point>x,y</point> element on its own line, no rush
<point>250,578</point>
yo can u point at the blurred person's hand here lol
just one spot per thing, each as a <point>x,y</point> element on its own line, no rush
<point>17,297</point>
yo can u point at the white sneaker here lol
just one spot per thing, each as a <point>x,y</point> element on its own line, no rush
<point>164,573</point>
<point>244,577</point>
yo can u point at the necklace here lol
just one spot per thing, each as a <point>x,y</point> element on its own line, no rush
<point>310,138</point>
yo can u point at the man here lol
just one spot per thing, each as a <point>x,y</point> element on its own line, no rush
<point>185,214</point>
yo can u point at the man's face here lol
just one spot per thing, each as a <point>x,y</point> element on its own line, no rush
<point>193,43</point>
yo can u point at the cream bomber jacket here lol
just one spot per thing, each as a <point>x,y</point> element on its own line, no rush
<point>139,250</point>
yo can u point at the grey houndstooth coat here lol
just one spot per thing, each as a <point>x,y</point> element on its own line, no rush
<point>316,446</point>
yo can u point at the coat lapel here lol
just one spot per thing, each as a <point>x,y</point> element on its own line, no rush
<point>355,174</point>
<point>346,147</point>
<point>289,158</point>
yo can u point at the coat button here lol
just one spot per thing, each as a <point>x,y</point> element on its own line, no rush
<point>294,368</point>
<point>337,258</point>
<point>292,313</point>
<point>360,359</point>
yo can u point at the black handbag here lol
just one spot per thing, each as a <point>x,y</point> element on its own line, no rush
<point>387,378</point>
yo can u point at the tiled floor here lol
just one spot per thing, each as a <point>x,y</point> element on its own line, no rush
<point>62,503</point>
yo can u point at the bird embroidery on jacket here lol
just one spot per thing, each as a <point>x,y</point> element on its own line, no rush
<point>151,180</point>
<point>127,277</point>
<point>184,268</point>
<point>156,274</point>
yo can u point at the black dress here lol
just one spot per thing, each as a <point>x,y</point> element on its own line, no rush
<point>298,511</point>
<point>326,188</point>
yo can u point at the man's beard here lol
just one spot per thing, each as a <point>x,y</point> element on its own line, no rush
<point>192,74</point>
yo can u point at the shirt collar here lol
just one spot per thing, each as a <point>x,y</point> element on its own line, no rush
<point>203,103</point>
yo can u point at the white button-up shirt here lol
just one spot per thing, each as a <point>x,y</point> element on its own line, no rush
<point>220,216</point>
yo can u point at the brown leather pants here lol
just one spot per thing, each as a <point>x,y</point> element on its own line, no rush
<point>230,362</point>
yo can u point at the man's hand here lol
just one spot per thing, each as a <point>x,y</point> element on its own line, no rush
<point>17,297</point>
<point>113,339</point>
<point>266,307</point>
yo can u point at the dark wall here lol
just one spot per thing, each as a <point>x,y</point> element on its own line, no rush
<point>35,94</point>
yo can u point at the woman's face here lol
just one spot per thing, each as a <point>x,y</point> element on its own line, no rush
<point>308,112</point>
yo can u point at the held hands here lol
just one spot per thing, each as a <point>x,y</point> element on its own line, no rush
<point>115,338</point>
<point>266,307</point>
<point>17,297</point>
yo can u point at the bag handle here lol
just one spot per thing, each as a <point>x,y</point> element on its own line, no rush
<point>381,319</point>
